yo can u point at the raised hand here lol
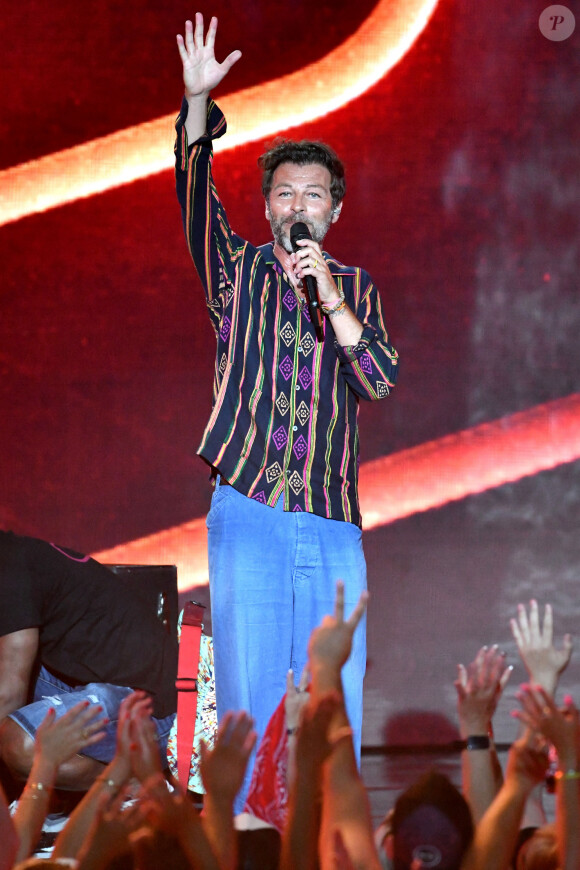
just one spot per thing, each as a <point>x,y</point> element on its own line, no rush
<point>330,644</point>
<point>57,740</point>
<point>559,726</point>
<point>224,766</point>
<point>543,662</point>
<point>201,71</point>
<point>479,687</point>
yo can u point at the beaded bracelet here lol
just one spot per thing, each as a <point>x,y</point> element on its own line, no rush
<point>338,306</point>
<point>340,309</point>
<point>568,774</point>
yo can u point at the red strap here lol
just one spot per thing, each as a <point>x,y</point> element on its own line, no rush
<point>186,684</point>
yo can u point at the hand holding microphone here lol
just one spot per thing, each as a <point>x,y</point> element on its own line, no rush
<point>299,231</point>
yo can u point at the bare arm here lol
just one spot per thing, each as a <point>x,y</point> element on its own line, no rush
<point>560,727</point>
<point>497,832</point>
<point>56,741</point>
<point>201,71</point>
<point>344,800</point>
<point>109,784</point>
<point>17,655</point>
<point>222,771</point>
<point>479,688</point>
<point>544,664</point>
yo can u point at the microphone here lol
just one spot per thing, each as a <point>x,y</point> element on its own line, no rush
<point>300,231</point>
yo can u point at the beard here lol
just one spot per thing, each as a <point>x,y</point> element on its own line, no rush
<point>281,229</point>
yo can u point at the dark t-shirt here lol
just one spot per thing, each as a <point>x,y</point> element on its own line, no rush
<point>93,627</point>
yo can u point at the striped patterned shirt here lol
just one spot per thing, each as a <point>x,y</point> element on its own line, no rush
<point>285,409</point>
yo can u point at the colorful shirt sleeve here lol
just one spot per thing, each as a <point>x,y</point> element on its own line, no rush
<point>216,251</point>
<point>369,367</point>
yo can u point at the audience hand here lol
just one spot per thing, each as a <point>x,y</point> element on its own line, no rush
<point>559,726</point>
<point>543,662</point>
<point>479,688</point>
<point>330,643</point>
<point>223,767</point>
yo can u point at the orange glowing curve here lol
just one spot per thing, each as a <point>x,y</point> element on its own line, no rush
<point>254,113</point>
<point>424,477</point>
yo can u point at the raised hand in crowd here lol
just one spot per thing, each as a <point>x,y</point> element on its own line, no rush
<point>559,726</point>
<point>544,664</point>
<point>312,748</point>
<point>497,832</point>
<point>222,770</point>
<point>173,815</point>
<point>57,741</point>
<point>479,687</point>
<point>535,641</point>
<point>129,761</point>
<point>345,806</point>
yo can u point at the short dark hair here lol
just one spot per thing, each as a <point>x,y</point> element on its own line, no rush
<point>302,153</point>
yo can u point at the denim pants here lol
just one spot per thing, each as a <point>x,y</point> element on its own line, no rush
<point>49,692</point>
<point>272,578</point>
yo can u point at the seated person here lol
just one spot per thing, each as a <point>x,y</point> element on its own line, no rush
<point>70,631</point>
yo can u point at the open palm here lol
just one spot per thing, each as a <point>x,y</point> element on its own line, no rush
<point>201,71</point>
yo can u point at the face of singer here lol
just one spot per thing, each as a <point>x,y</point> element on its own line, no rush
<point>300,193</point>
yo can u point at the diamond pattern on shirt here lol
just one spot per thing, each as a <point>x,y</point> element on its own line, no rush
<point>296,483</point>
<point>366,363</point>
<point>273,472</point>
<point>223,364</point>
<point>289,299</point>
<point>297,509</point>
<point>225,328</point>
<point>282,403</point>
<point>300,447</point>
<point>307,344</point>
<point>280,437</point>
<point>303,413</point>
<point>305,377</point>
<point>286,368</point>
<point>382,389</point>
<point>260,496</point>
<point>288,334</point>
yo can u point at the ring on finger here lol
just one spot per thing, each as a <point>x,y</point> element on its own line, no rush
<point>315,264</point>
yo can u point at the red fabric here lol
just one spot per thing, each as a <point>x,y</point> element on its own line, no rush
<point>268,793</point>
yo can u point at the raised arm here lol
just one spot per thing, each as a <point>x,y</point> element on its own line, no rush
<point>497,832</point>
<point>479,687</point>
<point>560,727</point>
<point>201,71</point>
<point>110,783</point>
<point>544,664</point>
<point>222,772</point>
<point>56,741</point>
<point>345,807</point>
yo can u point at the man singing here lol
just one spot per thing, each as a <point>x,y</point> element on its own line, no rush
<point>282,438</point>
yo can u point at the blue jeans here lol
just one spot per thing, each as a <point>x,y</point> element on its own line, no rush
<point>49,692</point>
<point>272,578</point>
